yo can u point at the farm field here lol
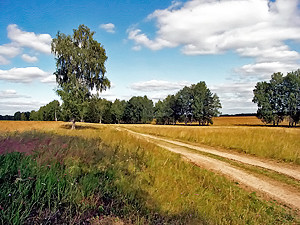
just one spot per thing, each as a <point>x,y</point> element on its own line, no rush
<point>103,174</point>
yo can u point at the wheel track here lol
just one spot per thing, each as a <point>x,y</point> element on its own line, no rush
<point>271,188</point>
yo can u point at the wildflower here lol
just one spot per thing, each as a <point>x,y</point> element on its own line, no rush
<point>9,194</point>
<point>1,207</point>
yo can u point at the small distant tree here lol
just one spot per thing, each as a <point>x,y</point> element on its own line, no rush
<point>17,115</point>
<point>184,101</point>
<point>33,115</point>
<point>79,69</point>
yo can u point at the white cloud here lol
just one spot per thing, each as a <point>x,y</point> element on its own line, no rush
<point>29,59</point>
<point>10,107</point>
<point>235,97</point>
<point>142,39</point>
<point>23,75</point>
<point>251,28</point>
<point>265,69</point>
<point>38,42</point>
<point>3,61</point>
<point>109,27</point>
<point>50,79</point>
<point>8,51</point>
<point>20,39</point>
<point>158,85</point>
<point>11,94</point>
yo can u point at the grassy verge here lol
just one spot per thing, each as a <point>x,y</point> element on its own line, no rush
<point>84,175</point>
<point>275,143</point>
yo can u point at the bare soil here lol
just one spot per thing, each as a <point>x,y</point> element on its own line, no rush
<point>269,188</point>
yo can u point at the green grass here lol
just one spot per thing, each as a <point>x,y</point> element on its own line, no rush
<point>91,173</point>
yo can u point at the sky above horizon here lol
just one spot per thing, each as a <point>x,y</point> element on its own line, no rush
<point>154,47</point>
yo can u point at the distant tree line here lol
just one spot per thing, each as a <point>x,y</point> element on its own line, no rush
<point>279,98</point>
<point>194,103</point>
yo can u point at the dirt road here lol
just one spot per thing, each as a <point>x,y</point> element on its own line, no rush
<point>271,188</point>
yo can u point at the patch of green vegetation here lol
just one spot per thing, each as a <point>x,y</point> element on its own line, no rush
<point>71,179</point>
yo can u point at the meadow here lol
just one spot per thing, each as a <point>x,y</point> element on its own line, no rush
<point>97,174</point>
<point>241,134</point>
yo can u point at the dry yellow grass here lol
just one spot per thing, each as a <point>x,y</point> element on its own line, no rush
<point>167,184</point>
<point>236,133</point>
<point>241,134</point>
<point>242,121</point>
<point>20,126</point>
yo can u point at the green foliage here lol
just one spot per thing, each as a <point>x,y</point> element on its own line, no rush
<point>138,110</point>
<point>167,111</point>
<point>79,69</point>
<point>74,101</point>
<point>49,112</point>
<point>80,58</point>
<point>279,98</point>
<point>117,110</point>
<point>196,102</point>
<point>99,111</point>
<point>17,115</point>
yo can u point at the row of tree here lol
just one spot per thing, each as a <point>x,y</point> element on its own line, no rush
<point>279,98</point>
<point>194,103</point>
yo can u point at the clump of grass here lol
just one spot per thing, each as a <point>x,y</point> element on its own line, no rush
<point>102,172</point>
<point>275,143</point>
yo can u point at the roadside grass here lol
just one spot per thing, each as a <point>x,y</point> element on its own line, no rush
<point>97,172</point>
<point>274,143</point>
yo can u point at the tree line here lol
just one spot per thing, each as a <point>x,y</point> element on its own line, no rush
<point>194,103</point>
<point>279,98</point>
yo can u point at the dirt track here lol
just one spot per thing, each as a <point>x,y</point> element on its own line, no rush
<point>271,188</point>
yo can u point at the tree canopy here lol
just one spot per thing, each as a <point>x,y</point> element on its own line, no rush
<point>279,98</point>
<point>80,68</point>
<point>194,103</point>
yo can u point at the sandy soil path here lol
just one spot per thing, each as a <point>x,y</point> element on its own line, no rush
<point>271,188</point>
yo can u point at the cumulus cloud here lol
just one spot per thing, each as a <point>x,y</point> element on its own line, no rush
<point>50,79</point>
<point>142,40</point>
<point>109,27</point>
<point>38,42</point>
<point>8,51</point>
<point>158,85</point>
<point>23,39</point>
<point>251,28</point>
<point>29,59</point>
<point>23,75</point>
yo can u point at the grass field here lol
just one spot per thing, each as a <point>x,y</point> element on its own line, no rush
<point>241,134</point>
<point>99,174</point>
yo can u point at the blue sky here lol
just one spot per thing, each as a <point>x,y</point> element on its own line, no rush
<point>154,47</point>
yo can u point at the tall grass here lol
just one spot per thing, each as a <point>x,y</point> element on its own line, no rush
<point>268,142</point>
<point>95,171</point>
